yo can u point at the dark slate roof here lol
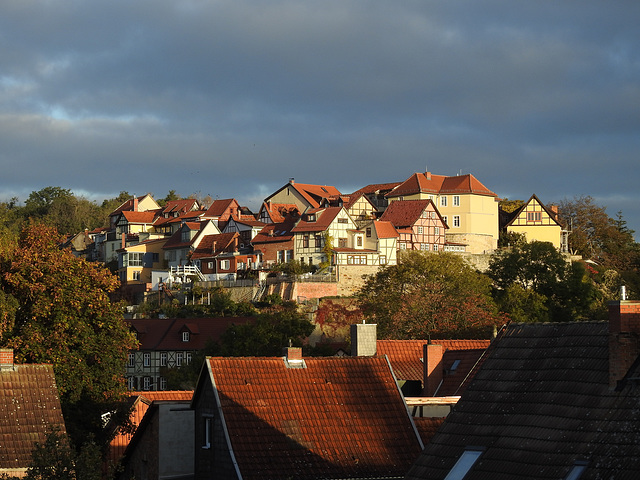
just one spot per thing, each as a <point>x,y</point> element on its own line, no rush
<point>338,418</point>
<point>29,409</point>
<point>539,403</point>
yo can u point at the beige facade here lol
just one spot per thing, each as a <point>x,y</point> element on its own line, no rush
<point>537,223</point>
<point>136,262</point>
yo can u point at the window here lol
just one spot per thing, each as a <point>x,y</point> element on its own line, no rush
<point>288,255</point>
<point>305,241</point>
<point>436,230</point>
<point>444,219</point>
<point>136,275</point>
<point>210,265</point>
<point>163,383</point>
<point>146,383</point>
<point>435,247</point>
<point>356,259</point>
<point>187,358</point>
<point>383,259</point>
<point>225,264</point>
<point>280,256</point>
<point>135,259</point>
<point>424,246</point>
<point>402,246</point>
<point>131,360</point>
<point>131,383</point>
<point>163,359</point>
<point>342,243</point>
<point>576,470</point>
<point>534,216</point>
<point>456,200</point>
<point>368,232</point>
<point>185,336</point>
<point>443,201</point>
<point>359,240</point>
<point>310,261</point>
<point>343,220</point>
<point>179,358</point>
<point>207,432</point>
<point>186,236</point>
<point>146,359</point>
<point>420,230</point>
<point>311,217</point>
<point>155,257</point>
<point>463,465</point>
<point>456,220</point>
<point>433,214</point>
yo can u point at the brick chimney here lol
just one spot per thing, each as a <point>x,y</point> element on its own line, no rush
<point>293,357</point>
<point>433,370</point>
<point>428,175</point>
<point>6,359</point>
<point>135,204</point>
<point>624,338</point>
<point>364,339</point>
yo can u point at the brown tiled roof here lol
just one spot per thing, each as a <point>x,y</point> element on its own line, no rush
<point>406,358</point>
<point>404,213</point>
<point>274,233</point>
<point>377,187</point>
<point>165,333</point>
<point>183,205</point>
<point>29,409</point>
<point>219,207</point>
<point>279,212</point>
<point>440,184</point>
<point>539,403</point>
<point>324,217</point>
<point>140,217</point>
<point>336,418</point>
<point>223,242</point>
<point>427,427</point>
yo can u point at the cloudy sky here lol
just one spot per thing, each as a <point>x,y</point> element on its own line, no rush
<point>231,98</point>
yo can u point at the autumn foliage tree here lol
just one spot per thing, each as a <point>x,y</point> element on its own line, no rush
<point>66,318</point>
<point>429,295</point>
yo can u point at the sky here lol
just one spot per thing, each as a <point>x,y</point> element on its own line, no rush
<point>233,98</point>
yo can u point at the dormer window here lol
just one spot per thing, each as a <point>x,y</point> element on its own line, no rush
<point>311,217</point>
<point>185,336</point>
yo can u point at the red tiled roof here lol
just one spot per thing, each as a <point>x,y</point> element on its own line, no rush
<point>404,213</point>
<point>29,409</point>
<point>406,358</point>
<point>313,194</point>
<point>336,418</point>
<point>440,184</point>
<point>279,212</point>
<point>140,217</point>
<point>141,401</point>
<point>183,205</point>
<point>427,427</point>
<point>385,229</point>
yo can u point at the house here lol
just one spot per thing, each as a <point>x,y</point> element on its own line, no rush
<point>303,195</point>
<point>139,405</point>
<point>221,256</point>
<point>162,446</point>
<point>304,418</point>
<point>316,223</point>
<point>277,212</point>
<point>550,400</point>
<point>359,208</point>
<point>174,213</point>
<point>418,223</point>
<point>444,374</point>
<point>221,211</point>
<point>275,243</point>
<point>80,244</point>
<point>469,209</point>
<point>246,226</point>
<point>181,245</point>
<point>537,222</point>
<point>377,194</point>
<point>381,237</point>
<point>168,343</point>
<point>29,410</point>
<point>136,204</point>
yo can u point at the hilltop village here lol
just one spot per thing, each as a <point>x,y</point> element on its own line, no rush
<point>532,400</point>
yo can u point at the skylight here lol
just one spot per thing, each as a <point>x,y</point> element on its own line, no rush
<point>464,464</point>
<point>576,471</point>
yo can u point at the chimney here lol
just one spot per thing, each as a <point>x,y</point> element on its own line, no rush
<point>6,359</point>
<point>428,175</point>
<point>293,357</point>
<point>124,240</point>
<point>433,370</point>
<point>364,340</point>
<point>292,181</point>
<point>135,204</point>
<point>624,338</point>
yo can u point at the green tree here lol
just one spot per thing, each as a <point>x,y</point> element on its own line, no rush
<point>66,318</point>
<point>429,295</point>
<point>538,279</point>
<point>273,329</point>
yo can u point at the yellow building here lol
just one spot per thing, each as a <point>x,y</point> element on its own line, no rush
<point>537,223</point>
<point>469,209</point>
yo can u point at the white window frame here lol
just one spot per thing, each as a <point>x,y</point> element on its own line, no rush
<point>162,383</point>
<point>456,200</point>
<point>208,431</point>
<point>131,360</point>
<point>163,359</point>
<point>131,383</point>
<point>456,221</point>
<point>443,201</point>
<point>146,359</point>
<point>185,336</point>
<point>146,383</point>
<point>420,229</point>
<point>179,358</point>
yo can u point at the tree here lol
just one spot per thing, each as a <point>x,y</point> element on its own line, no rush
<point>536,282</point>
<point>429,295</point>
<point>66,318</point>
